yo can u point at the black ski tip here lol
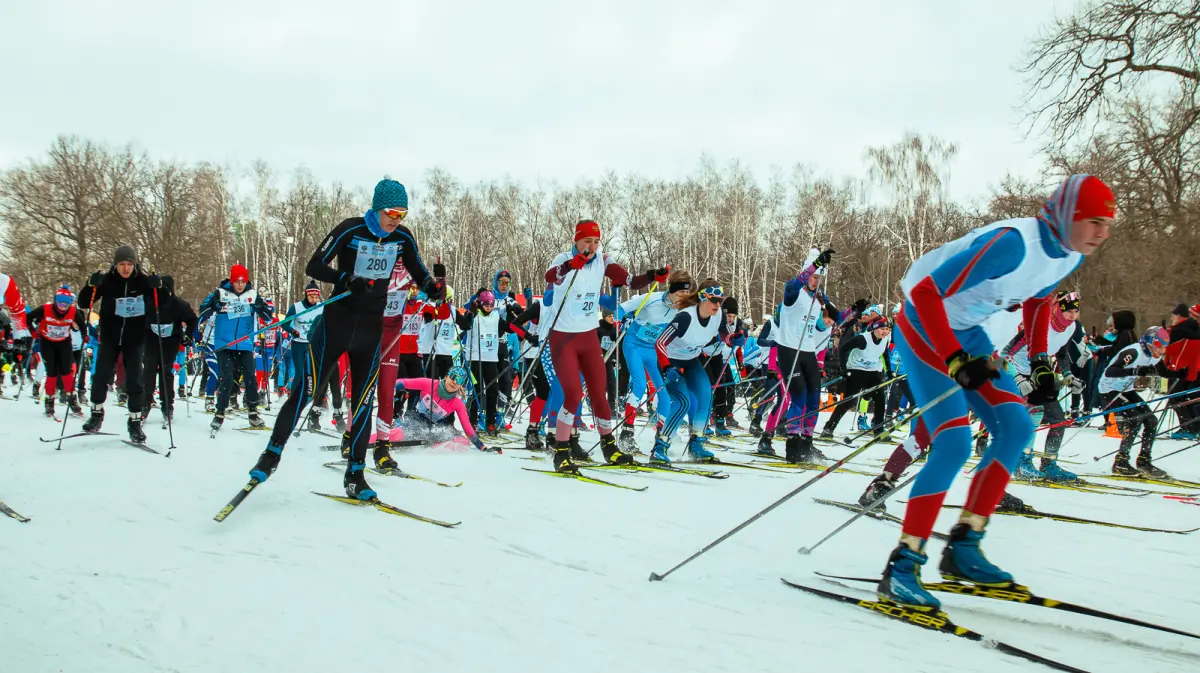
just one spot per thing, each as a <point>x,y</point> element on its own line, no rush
<point>655,577</point>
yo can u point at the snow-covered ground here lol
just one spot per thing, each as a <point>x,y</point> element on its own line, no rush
<point>123,570</point>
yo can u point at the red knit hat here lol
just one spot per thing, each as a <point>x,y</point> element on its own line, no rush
<point>586,228</point>
<point>239,272</point>
<point>1095,200</point>
<point>1195,311</point>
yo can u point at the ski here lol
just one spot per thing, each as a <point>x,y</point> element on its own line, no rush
<point>341,465</point>
<point>12,513</point>
<point>658,467</point>
<point>390,509</point>
<point>237,500</point>
<point>143,447</point>
<point>811,466</point>
<point>1164,481</point>
<point>254,428</point>
<point>741,465</point>
<point>1017,593</point>
<point>316,432</point>
<point>1084,487</point>
<point>933,621</point>
<point>580,477</point>
<point>1185,499</point>
<point>878,514</point>
<point>1075,519</point>
<point>77,434</point>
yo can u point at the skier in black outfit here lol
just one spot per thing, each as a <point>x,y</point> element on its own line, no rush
<point>173,324</point>
<point>367,250</point>
<point>123,292</point>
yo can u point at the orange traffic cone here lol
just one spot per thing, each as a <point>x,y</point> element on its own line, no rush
<point>1110,430</point>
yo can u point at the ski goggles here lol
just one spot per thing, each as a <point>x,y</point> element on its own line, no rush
<point>458,375</point>
<point>396,213</point>
<point>715,294</point>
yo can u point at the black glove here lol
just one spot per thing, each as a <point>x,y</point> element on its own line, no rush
<point>96,279</point>
<point>434,288</point>
<point>970,372</point>
<point>155,281</point>
<point>439,270</point>
<point>1045,385</point>
<point>186,341</point>
<point>824,258</point>
<point>860,305</point>
<point>1145,370</point>
<point>531,338</point>
<point>427,317</point>
<point>512,296</point>
<point>356,284</point>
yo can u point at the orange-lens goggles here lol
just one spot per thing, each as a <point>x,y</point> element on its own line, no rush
<point>396,213</point>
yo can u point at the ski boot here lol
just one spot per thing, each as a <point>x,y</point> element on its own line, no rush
<point>50,406</point>
<point>659,453</point>
<point>182,394</point>
<point>62,395</point>
<point>625,439</point>
<point>492,432</point>
<point>339,421</point>
<point>549,440</point>
<point>963,560</point>
<point>314,420</point>
<point>532,441</point>
<point>981,443</point>
<point>217,421</point>
<point>233,404</point>
<point>383,457</point>
<point>1026,469</point>
<point>134,427</point>
<point>1122,467</point>
<point>97,419</point>
<point>122,398</point>
<point>756,429</point>
<point>1179,435</point>
<point>562,459</point>
<point>708,431</point>
<point>345,446</point>
<point>255,420</point>
<point>168,412</point>
<point>698,452</point>
<point>731,422</point>
<point>210,405</point>
<point>826,433</point>
<point>792,450</point>
<point>901,582</point>
<point>1053,472</point>
<point>764,446</point>
<point>1014,505</point>
<point>881,487</point>
<point>267,463</point>
<point>721,430</point>
<point>577,452</point>
<point>37,392</point>
<point>356,484</point>
<point>1147,468</point>
<point>73,405</point>
<point>145,413</point>
<point>613,455</point>
<point>810,451</point>
<point>863,424</point>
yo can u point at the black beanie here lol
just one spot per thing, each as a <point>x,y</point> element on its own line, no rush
<point>124,253</point>
<point>730,305</point>
<point>1181,311</point>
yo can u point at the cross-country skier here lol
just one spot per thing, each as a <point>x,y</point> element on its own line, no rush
<point>950,292</point>
<point>54,322</point>
<point>574,347</point>
<point>439,403</point>
<point>233,307</point>
<point>1117,390</point>
<point>367,250</point>
<point>174,322</point>
<point>123,292</point>
<point>299,327</point>
<point>864,361</point>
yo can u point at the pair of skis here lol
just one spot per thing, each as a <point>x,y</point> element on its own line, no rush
<point>12,513</point>
<point>375,502</point>
<point>137,445</point>
<point>341,465</point>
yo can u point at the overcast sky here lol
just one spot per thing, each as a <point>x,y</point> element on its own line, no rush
<point>353,89</point>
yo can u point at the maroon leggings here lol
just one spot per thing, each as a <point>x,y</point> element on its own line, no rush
<point>574,354</point>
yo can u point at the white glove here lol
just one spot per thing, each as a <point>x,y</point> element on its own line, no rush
<point>1024,385</point>
<point>1074,383</point>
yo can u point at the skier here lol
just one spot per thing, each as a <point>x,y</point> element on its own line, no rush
<point>367,250</point>
<point>1063,316</point>
<point>174,323</point>
<point>233,307</point>
<point>721,363</point>
<point>123,292</point>
<point>864,360</point>
<point>438,338</point>
<point>484,330</point>
<point>53,322</point>
<point>645,317</point>
<point>438,404</point>
<point>1117,390</point>
<point>1184,328</point>
<point>950,292</point>
<point>508,308</point>
<point>697,324</point>
<point>403,317</point>
<point>574,348</point>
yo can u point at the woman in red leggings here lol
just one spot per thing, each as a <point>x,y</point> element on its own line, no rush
<point>578,277</point>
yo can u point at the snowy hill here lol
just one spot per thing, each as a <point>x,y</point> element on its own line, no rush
<point>123,570</point>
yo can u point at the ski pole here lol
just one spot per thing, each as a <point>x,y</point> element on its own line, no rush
<point>655,577</point>
<point>285,320</point>
<point>738,383</point>
<point>857,515</point>
<point>165,388</point>
<point>1189,446</point>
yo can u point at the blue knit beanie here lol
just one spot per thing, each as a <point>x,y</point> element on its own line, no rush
<point>389,194</point>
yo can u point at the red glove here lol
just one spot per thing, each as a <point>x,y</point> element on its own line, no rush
<point>660,275</point>
<point>176,367</point>
<point>443,311</point>
<point>578,261</point>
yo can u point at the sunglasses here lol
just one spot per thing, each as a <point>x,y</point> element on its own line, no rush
<point>396,213</point>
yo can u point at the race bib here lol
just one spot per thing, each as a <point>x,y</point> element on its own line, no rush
<point>413,324</point>
<point>395,304</point>
<point>584,303</point>
<point>238,309</point>
<point>375,260</point>
<point>163,331</point>
<point>58,332</point>
<point>130,307</point>
<point>606,343</point>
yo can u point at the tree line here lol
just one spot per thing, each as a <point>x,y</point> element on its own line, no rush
<point>1131,120</point>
